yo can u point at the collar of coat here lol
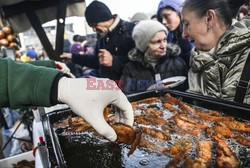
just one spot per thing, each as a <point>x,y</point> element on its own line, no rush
<point>135,55</point>
<point>116,21</point>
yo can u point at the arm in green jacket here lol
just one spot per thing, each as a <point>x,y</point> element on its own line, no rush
<point>46,63</point>
<point>23,84</point>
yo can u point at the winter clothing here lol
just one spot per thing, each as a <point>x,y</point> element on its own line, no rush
<point>118,42</point>
<point>97,12</point>
<point>1,144</point>
<point>47,63</point>
<point>76,47</point>
<point>139,74</point>
<point>145,31</point>
<point>139,16</point>
<point>173,4</point>
<point>216,73</point>
<point>66,45</point>
<point>39,84</point>
<point>175,37</point>
<point>76,69</point>
<point>31,53</point>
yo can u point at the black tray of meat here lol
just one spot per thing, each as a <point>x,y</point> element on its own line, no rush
<point>171,129</point>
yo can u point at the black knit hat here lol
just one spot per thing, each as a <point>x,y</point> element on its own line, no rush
<point>97,12</point>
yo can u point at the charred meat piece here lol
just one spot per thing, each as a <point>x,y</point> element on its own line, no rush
<point>219,131</point>
<point>169,107</point>
<point>106,112</point>
<point>136,106</point>
<point>242,140</point>
<point>192,129</point>
<point>210,117</point>
<point>128,135</point>
<point>194,163</point>
<point>171,100</point>
<point>204,151</point>
<point>125,133</point>
<point>77,124</point>
<point>186,108</point>
<point>150,145</point>
<point>185,118</point>
<point>136,142</point>
<point>157,134</point>
<point>77,121</point>
<point>179,156</point>
<point>174,101</point>
<point>151,111</point>
<point>238,126</point>
<point>225,156</point>
<point>150,120</point>
<point>148,100</point>
<point>179,146</point>
<point>204,156</point>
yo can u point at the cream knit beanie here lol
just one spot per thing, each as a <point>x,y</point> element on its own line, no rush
<point>144,31</point>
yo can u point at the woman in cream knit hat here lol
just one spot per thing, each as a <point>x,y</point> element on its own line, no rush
<point>152,59</point>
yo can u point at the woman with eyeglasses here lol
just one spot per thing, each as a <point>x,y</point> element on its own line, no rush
<point>152,59</point>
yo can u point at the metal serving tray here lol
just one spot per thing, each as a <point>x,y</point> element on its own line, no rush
<point>84,151</point>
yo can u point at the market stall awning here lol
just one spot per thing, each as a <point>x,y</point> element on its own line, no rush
<point>21,15</point>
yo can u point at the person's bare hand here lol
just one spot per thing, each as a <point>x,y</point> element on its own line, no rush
<point>105,58</point>
<point>66,56</point>
<point>158,86</point>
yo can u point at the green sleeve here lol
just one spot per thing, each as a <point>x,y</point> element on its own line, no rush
<point>47,63</point>
<point>23,84</point>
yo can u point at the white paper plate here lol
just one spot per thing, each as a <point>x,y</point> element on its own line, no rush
<point>173,81</point>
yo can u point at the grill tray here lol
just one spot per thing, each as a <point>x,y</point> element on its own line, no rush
<point>82,150</point>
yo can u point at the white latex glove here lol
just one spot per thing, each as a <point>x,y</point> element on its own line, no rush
<point>89,102</point>
<point>63,67</point>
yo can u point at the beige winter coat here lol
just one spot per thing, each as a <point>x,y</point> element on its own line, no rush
<point>217,73</point>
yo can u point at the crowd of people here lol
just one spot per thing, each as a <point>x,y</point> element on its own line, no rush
<point>208,42</point>
<point>140,53</point>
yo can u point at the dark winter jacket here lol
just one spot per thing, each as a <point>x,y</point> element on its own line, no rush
<point>118,42</point>
<point>175,37</point>
<point>138,75</point>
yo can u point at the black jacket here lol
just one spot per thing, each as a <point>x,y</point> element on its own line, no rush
<point>118,42</point>
<point>138,75</point>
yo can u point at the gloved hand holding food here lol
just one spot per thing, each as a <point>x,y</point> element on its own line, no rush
<point>87,97</point>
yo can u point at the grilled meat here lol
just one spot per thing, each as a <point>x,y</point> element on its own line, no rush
<point>225,156</point>
<point>155,133</point>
